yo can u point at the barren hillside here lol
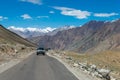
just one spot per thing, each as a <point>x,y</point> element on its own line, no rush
<point>93,36</point>
<point>12,45</point>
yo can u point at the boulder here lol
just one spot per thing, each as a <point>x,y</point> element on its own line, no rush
<point>75,65</point>
<point>105,73</point>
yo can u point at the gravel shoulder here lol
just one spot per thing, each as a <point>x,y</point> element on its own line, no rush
<point>77,72</point>
<point>38,68</point>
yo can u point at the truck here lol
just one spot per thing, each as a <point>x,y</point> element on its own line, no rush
<point>41,51</point>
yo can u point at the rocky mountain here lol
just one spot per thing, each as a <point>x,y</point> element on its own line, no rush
<point>93,36</point>
<point>52,33</point>
<point>66,27</point>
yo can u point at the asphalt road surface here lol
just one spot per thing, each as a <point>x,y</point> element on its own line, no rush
<point>38,68</point>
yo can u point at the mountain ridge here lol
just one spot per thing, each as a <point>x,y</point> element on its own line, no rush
<point>83,39</point>
<point>34,32</point>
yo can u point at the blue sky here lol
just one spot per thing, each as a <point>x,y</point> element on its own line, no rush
<point>56,13</point>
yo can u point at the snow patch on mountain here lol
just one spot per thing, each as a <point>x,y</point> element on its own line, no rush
<point>60,29</point>
<point>30,31</point>
<point>34,32</point>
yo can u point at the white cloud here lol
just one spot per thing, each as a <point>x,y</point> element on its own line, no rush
<point>42,16</point>
<point>52,12</point>
<point>39,2</point>
<point>105,14</point>
<point>26,16</point>
<point>73,12</point>
<point>3,18</point>
<point>31,29</point>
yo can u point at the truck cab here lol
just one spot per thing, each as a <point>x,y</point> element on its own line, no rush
<point>41,51</point>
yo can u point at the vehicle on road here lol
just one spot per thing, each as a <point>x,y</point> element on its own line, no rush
<point>41,51</point>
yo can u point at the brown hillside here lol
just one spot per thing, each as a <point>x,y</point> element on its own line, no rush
<point>13,37</point>
<point>94,35</point>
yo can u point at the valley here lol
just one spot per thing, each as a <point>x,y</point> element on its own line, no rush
<point>96,43</point>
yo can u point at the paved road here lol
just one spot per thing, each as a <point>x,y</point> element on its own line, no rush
<point>38,68</point>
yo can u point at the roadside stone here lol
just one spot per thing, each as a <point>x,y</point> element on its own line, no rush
<point>91,69</point>
<point>105,73</point>
<point>111,78</point>
<point>75,65</point>
<point>95,74</point>
<point>68,58</point>
<point>83,64</point>
<point>93,66</point>
<point>98,75</point>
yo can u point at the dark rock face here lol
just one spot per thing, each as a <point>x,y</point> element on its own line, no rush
<point>83,38</point>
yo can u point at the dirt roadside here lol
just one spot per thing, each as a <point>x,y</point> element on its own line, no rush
<point>77,72</point>
<point>8,64</point>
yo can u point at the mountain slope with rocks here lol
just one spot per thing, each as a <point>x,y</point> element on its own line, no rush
<point>12,45</point>
<point>90,37</point>
<point>36,39</point>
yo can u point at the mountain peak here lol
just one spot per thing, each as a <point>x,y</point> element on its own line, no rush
<point>86,38</point>
<point>66,27</point>
<point>30,31</point>
<point>94,25</point>
<point>95,22</point>
<point>34,32</point>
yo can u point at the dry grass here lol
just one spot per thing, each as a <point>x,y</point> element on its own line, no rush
<point>106,59</point>
<point>10,50</point>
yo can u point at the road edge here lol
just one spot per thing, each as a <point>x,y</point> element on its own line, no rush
<point>78,75</point>
<point>7,65</point>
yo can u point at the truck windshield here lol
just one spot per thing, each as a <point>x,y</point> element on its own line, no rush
<point>40,49</point>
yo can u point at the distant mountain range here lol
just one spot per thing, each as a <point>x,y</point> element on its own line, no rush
<point>34,32</point>
<point>94,36</point>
